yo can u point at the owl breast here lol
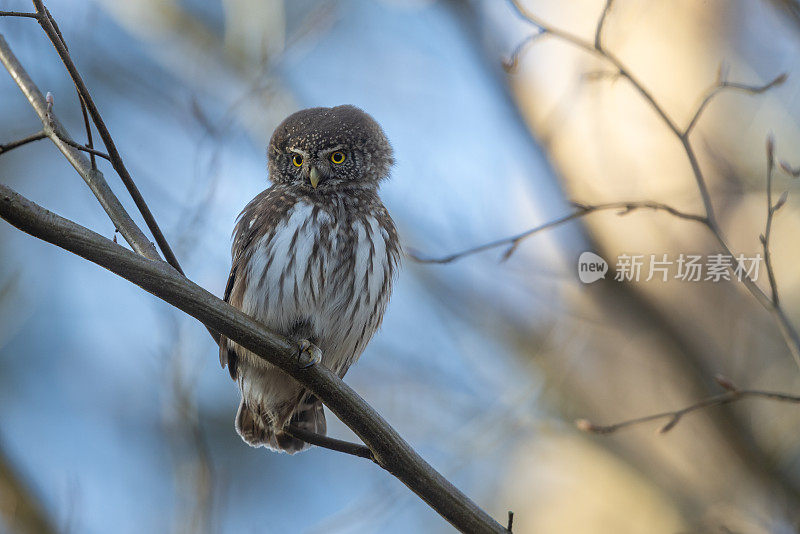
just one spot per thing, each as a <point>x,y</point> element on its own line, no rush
<point>322,276</point>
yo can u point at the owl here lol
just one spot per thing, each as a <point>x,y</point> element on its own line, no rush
<point>314,258</point>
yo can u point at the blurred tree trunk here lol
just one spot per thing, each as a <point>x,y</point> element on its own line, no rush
<point>639,348</point>
<point>22,511</point>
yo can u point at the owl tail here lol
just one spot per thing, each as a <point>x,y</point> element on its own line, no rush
<point>259,433</point>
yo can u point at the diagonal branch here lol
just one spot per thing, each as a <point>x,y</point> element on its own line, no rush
<point>88,149</point>
<point>84,112</point>
<point>23,14</point>
<point>723,85</point>
<point>624,207</point>
<point>21,142</point>
<point>389,450</point>
<point>598,33</point>
<point>733,394</point>
<point>93,178</point>
<point>788,330</point>
<point>46,22</point>
<point>333,444</point>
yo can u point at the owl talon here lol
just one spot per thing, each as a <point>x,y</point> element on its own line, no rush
<point>309,354</point>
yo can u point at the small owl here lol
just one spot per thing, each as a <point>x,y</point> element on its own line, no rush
<point>314,257</point>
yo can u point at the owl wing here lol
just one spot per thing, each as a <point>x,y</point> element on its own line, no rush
<point>258,218</point>
<point>227,356</point>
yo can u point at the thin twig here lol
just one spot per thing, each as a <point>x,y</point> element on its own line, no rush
<point>93,178</point>
<point>623,72</point>
<point>88,149</point>
<point>598,34</point>
<point>724,85</point>
<point>771,209</point>
<point>733,394</point>
<point>624,208</point>
<point>333,444</point>
<point>20,142</point>
<point>788,330</point>
<point>19,14</point>
<point>116,159</point>
<point>87,125</point>
<point>389,449</point>
<point>89,140</point>
<point>794,172</point>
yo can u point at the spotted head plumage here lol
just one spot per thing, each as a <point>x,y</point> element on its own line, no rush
<point>342,147</point>
<point>314,257</point>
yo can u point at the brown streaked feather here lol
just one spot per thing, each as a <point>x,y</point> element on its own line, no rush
<point>265,211</point>
<point>336,225</point>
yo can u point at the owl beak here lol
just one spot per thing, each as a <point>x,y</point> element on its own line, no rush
<point>314,177</point>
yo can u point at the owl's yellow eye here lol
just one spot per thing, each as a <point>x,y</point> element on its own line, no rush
<point>337,157</point>
<point>297,160</point>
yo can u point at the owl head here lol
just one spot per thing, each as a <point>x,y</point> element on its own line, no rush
<point>328,150</point>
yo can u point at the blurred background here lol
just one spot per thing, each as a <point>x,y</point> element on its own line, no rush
<point>114,414</point>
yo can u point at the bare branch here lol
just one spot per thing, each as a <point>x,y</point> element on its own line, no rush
<point>635,83</point>
<point>771,209</point>
<point>389,450</point>
<point>50,29</point>
<point>20,142</point>
<point>724,85</point>
<point>19,14</point>
<point>795,173</point>
<point>93,178</point>
<point>598,34</point>
<point>87,149</point>
<point>733,394</point>
<point>87,125</point>
<point>556,32</point>
<point>624,207</point>
<point>788,330</point>
<point>333,444</point>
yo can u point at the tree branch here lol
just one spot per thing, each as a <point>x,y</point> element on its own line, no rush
<point>733,394</point>
<point>333,444</point>
<point>20,142</point>
<point>47,24</point>
<point>93,178</point>
<point>771,209</point>
<point>724,85</point>
<point>788,330</point>
<point>24,14</point>
<point>598,33</point>
<point>84,112</point>
<point>389,450</point>
<point>581,210</point>
<point>87,149</point>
